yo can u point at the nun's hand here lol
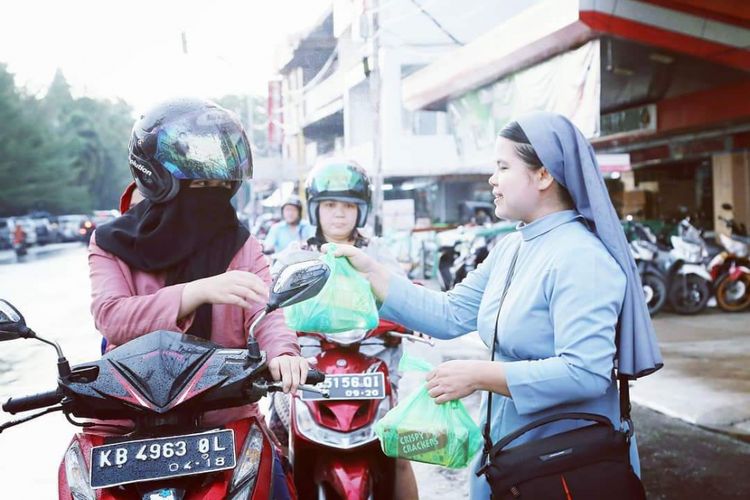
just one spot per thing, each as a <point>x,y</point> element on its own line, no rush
<point>452,380</point>
<point>237,288</point>
<point>377,274</point>
<point>360,260</point>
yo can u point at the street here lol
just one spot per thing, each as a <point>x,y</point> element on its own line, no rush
<point>679,460</point>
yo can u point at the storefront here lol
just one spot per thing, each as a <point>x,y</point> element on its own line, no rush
<point>663,84</point>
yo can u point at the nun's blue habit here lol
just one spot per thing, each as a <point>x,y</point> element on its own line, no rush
<point>558,328</point>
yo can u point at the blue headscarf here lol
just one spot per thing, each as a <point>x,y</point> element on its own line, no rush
<point>571,161</point>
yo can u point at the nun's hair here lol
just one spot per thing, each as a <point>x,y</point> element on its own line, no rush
<point>513,132</point>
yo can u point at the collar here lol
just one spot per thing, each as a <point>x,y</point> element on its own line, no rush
<point>546,223</point>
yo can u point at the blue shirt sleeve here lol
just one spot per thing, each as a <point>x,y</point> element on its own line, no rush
<point>585,290</point>
<point>270,241</point>
<point>443,315</point>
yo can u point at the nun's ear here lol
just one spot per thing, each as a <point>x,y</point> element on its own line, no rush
<point>544,179</point>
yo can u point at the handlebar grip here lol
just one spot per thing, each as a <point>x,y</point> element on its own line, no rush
<point>315,377</point>
<point>33,402</point>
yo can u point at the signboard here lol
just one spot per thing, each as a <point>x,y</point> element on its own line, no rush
<point>640,118</point>
<point>568,84</point>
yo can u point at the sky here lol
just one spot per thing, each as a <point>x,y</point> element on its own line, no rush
<point>133,49</point>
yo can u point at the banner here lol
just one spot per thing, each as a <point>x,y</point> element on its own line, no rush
<point>568,84</point>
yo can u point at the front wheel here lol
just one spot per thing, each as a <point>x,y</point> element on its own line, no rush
<point>655,292</point>
<point>733,296</point>
<point>689,294</point>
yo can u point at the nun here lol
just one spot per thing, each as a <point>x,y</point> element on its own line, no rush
<point>573,318</point>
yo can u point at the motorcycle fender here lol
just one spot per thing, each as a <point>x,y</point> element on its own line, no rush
<point>653,268</point>
<point>349,477</point>
<point>737,272</point>
<point>695,269</point>
<point>675,269</point>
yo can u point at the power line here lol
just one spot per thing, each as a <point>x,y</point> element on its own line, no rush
<point>435,21</point>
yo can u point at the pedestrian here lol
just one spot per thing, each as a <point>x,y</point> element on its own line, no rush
<point>339,197</point>
<point>290,229</point>
<point>180,260</point>
<point>574,305</point>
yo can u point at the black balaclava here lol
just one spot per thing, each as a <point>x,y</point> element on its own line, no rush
<point>193,236</point>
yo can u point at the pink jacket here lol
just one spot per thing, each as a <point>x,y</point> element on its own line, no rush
<point>127,303</point>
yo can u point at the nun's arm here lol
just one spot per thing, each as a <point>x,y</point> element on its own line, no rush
<point>585,290</point>
<point>443,315</point>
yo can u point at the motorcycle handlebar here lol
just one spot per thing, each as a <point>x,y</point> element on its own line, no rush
<point>314,377</point>
<point>33,402</point>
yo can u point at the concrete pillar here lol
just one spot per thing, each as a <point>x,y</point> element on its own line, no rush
<point>731,184</point>
<point>628,180</point>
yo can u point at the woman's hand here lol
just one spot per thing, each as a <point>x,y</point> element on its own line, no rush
<point>459,378</point>
<point>452,380</point>
<point>291,370</point>
<point>238,288</point>
<point>377,274</point>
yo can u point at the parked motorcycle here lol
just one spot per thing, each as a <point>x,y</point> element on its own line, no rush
<point>333,439</point>
<point>162,383</point>
<point>460,259</point>
<point>469,248</point>
<point>689,282</point>
<point>731,268</point>
<point>645,251</point>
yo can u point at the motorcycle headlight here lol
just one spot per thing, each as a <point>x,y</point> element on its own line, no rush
<point>347,338</point>
<point>165,494</point>
<point>248,463</point>
<point>309,428</point>
<point>77,474</point>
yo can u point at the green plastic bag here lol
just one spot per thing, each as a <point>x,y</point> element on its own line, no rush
<point>419,429</point>
<point>345,303</point>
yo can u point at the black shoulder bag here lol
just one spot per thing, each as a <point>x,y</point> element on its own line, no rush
<point>587,463</point>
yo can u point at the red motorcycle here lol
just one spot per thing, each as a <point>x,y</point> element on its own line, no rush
<point>159,385</point>
<point>332,438</point>
<point>730,269</point>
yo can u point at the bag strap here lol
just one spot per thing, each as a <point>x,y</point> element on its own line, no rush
<point>505,441</point>
<point>487,435</point>
<point>625,407</point>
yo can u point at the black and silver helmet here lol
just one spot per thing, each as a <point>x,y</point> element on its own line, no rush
<point>187,139</point>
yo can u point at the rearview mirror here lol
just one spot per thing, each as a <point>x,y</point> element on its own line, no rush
<point>298,282</point>
<point>12,324</point>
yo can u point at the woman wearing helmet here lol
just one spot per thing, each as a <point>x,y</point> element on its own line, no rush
<point>179,259</point>
<point>338,200</point>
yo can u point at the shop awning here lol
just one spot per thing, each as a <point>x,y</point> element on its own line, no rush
<point>554,26</point>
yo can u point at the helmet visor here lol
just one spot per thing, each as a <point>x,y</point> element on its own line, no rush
<point>338,181</point>
<point>208,144</point>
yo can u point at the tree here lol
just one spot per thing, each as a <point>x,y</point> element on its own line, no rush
<point>35,166</point>
<point>96,133</point>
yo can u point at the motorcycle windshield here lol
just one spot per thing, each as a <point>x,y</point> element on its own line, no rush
<point>159,367</point>
<point>205,145</point>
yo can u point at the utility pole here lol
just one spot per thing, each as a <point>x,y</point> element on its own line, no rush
<point>374,77</point>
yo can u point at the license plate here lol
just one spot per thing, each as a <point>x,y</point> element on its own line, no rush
<point>161,458</point>
<point>350,386</point>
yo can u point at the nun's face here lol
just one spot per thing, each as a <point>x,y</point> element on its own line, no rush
<point>514,184</point>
